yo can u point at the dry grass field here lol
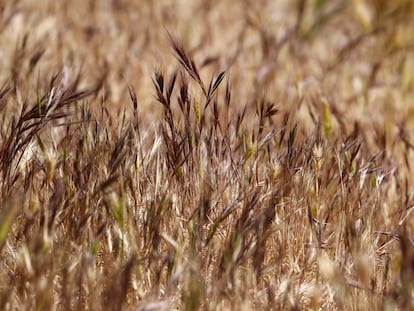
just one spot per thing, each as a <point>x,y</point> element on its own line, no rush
<point>206,155</point>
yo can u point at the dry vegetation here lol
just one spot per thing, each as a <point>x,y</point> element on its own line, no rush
<point>213,155</point>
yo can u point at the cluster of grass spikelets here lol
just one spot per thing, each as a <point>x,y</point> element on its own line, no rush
<point>265,163</point>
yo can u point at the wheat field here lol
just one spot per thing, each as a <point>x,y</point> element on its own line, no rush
<point>206,155</point>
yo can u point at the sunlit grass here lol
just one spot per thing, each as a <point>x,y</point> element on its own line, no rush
<point>206,155</point>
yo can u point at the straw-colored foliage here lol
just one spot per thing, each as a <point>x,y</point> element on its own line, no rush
<point>206,155</point>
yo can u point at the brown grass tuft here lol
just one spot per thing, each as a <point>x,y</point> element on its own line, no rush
<point>265,164</point>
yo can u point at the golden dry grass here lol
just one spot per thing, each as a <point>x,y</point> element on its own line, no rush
<point>206,155</point>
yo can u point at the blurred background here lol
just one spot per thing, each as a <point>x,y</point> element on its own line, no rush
<point>356,53</point>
